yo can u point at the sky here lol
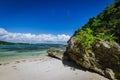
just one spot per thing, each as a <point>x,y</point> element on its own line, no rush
<point>55,20</point>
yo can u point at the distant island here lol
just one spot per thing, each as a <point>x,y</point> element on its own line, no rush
<point>8,43</point>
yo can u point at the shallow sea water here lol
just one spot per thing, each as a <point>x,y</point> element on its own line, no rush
<point>26,50</point>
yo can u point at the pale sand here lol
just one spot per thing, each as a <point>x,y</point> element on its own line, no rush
<point>44,68</point>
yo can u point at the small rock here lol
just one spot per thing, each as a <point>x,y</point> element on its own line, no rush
<point>55,53</point>
<point>110,74</point>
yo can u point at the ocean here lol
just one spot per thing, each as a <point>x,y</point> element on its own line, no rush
<point>14,51</point>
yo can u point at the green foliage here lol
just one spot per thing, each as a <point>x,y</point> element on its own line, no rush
<point>117,1</point>
<point>104,27</point>
<point>103,37</point>
<point>86,38</point>
<point>107,22</point>
<point>113,22</point>
<point>97,22</point>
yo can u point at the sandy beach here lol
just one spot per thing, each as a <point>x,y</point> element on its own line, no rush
<point>44,68</point>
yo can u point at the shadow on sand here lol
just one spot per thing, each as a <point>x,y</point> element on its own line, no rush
<point>73,65</point>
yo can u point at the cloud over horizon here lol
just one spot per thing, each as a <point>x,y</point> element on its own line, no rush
<point>32,38</point>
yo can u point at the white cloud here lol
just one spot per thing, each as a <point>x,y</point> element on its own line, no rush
<point>32,38</point>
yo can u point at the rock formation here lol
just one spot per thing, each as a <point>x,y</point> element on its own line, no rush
<point>55,53</point>
<point>97,45</point>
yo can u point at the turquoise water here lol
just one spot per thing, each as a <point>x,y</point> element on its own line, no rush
<point>26,50</point>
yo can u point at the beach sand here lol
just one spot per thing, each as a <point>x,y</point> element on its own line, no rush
<point>44,68</point>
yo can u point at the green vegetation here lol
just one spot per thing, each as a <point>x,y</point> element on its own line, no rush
<point>86,38</point>
<point>104,27</point>
<point>103,37</point>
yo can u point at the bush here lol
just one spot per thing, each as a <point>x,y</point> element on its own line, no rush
<point>86,38</point>
<point>102,36</point>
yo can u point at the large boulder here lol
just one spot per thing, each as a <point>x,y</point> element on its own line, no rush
<point>103,58</point>
<point>96,45</point>
<point>55,53</point>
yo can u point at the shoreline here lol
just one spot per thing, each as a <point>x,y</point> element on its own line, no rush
<point>21,59</point>
<point>44,68</point>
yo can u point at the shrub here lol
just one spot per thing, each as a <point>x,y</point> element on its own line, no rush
<point>102,36</point>
<point>86,38</point>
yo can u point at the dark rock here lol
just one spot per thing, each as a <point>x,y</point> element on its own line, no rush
<point>109,73</point>
<point>55,53</point>
<point>104,58</point>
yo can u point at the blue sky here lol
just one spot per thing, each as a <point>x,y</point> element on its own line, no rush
<point>48,16</point>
